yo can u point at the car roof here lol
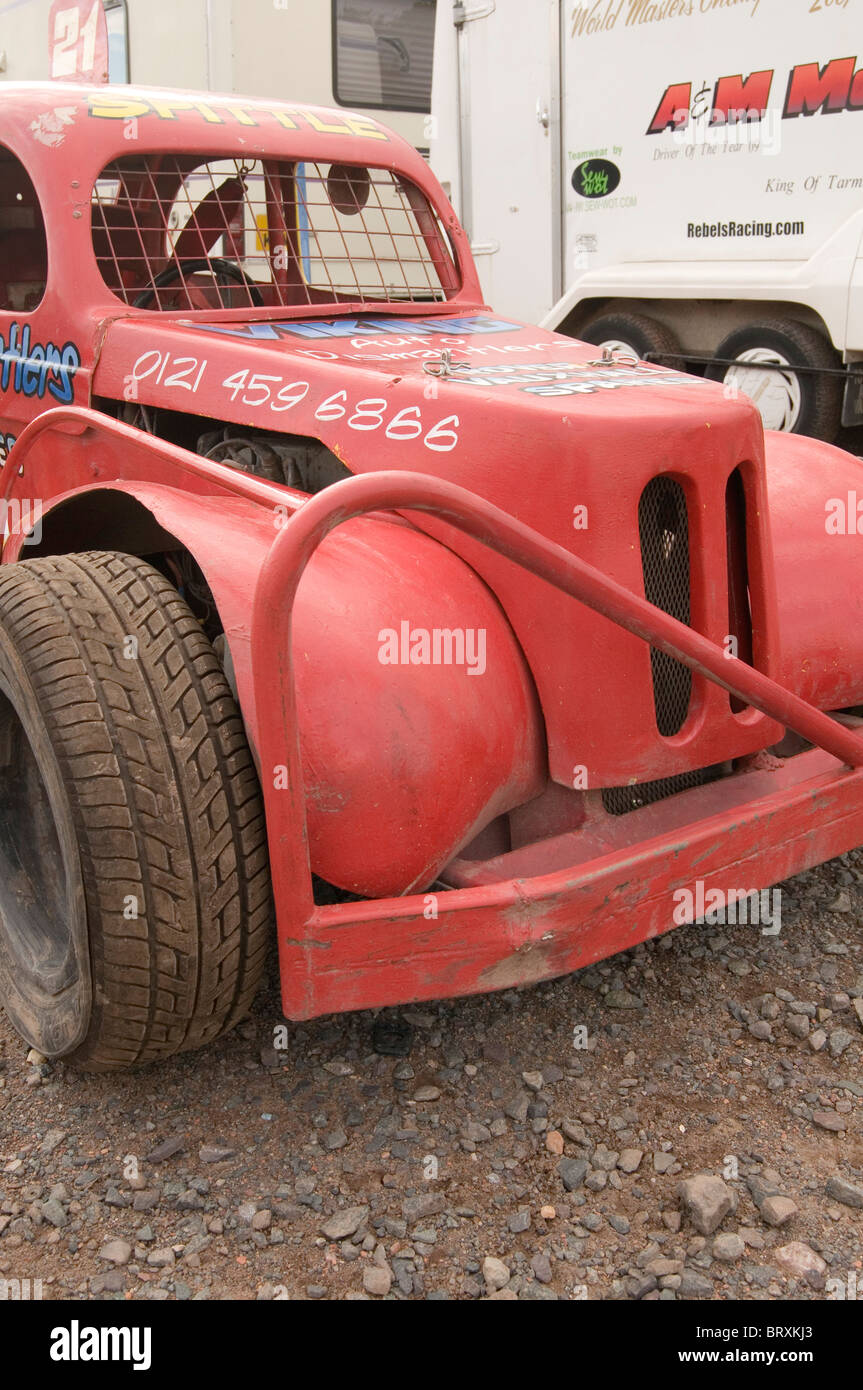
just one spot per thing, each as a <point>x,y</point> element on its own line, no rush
<point>110,121</point>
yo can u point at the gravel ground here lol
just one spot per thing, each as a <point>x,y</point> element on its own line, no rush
<point>706,1142</point>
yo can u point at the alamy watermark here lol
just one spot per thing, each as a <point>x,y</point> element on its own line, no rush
<point>20,1290</point>
<point>22,516</point>
<point>848,1288</point>
<point>711,128</point>
<point>437,646</point>
<point>736,906</point>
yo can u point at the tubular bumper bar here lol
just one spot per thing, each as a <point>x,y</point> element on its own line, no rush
<point>470,940</point>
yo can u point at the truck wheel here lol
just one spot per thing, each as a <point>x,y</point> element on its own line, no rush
<point>135,904</point>
<point>796,404</point>
<point>637,334</point>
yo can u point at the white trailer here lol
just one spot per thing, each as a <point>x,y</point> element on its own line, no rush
<point>682,179</point>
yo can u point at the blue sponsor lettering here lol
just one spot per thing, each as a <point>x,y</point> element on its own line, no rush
<point>363,327</point>
<point>30,369</point>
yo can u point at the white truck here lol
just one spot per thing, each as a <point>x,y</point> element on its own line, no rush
<point>679,179</point>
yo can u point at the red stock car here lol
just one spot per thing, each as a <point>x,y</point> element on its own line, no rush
<point>318,574</point>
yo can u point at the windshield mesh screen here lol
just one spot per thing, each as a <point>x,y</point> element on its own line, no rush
<point>173,232</point>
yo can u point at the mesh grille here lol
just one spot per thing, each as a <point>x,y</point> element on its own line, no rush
<point>663,531</point>
<point>295,233</point>
<point>619,800</point>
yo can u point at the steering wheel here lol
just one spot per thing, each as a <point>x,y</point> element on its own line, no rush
<point>179,269</point>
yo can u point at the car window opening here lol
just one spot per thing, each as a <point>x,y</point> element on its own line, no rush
<point>23,244</point>
<point>175,232</point>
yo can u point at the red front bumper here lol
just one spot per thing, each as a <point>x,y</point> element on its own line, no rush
<point>524,929</point>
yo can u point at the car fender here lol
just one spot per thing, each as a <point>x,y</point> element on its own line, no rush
<point>406,757</point>
<point>813,491</point>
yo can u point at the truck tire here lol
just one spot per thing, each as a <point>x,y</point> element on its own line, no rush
<point>637,334</point>
<point>794,404</point>
<point>135,900</point>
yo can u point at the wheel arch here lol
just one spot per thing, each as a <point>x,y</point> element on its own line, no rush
<point>95,483</point>
<point>146,521</point>
<point>100,519</point>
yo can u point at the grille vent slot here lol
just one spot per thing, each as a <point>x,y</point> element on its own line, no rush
<point>663,532</point>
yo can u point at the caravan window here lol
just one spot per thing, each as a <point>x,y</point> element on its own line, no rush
<point>382,53</point>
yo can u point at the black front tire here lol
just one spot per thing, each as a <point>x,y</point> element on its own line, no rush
<point>135,901</point>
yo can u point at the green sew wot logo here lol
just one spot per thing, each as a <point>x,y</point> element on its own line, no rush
<point>595,178</point>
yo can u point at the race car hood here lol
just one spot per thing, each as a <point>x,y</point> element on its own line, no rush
<point>539,425</point>
<point>505,409</point>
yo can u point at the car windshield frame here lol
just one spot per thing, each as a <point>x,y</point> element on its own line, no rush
<point>213,232</point>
